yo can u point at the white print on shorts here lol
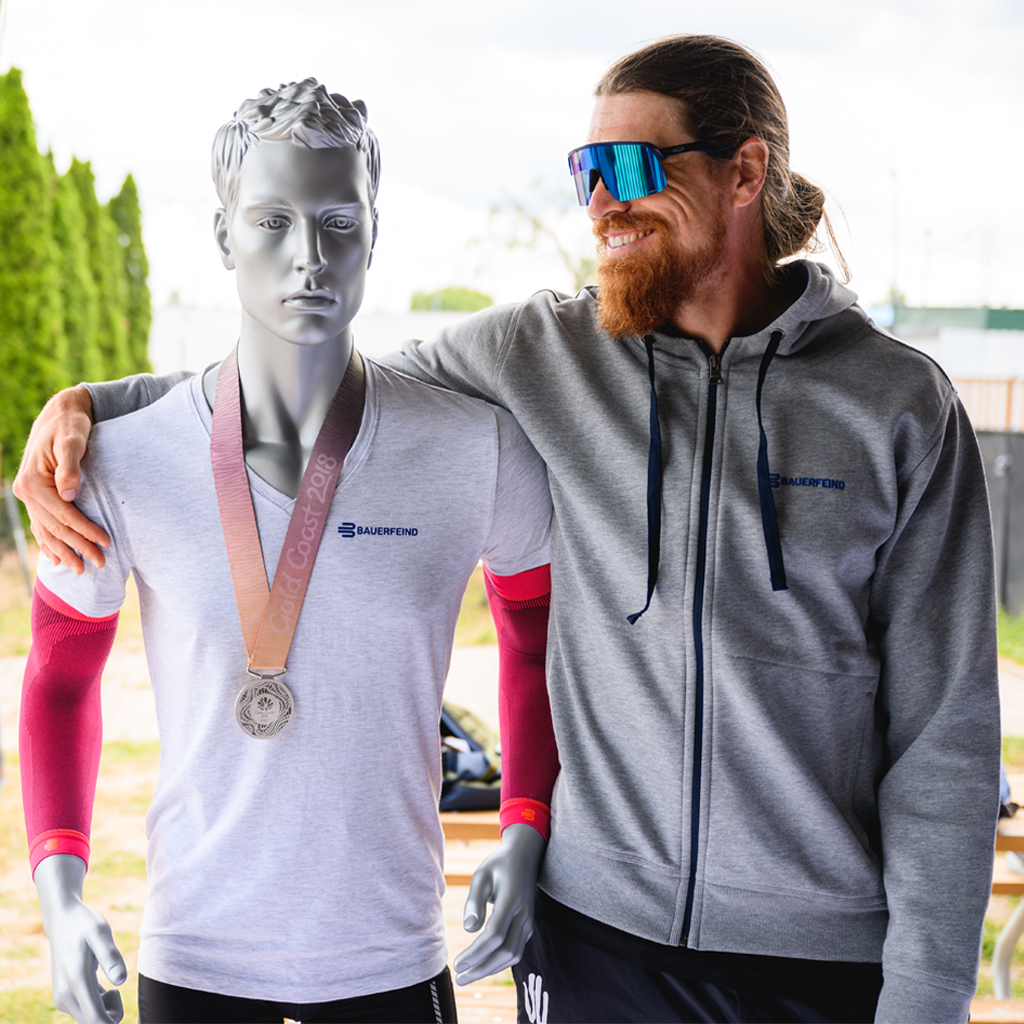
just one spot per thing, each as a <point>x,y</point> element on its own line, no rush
<point>536,1006</point>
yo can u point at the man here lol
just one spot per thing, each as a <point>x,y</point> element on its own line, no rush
<point>771,660</point>
<point>279,884</point>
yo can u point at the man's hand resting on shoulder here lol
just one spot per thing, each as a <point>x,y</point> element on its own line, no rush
<point>49,477</point>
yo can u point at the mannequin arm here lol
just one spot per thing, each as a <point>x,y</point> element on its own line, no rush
<point>60,738</point>
<point>80,941</point>
<point>508,877</point>
<point>529,758</point>
<point>49,477</point>
<point>61,727</point>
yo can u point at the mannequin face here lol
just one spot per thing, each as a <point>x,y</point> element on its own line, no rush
<point>299,239</point>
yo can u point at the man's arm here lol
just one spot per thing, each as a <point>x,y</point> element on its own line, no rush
<point>465,357</point>
<point>529,765</point>
<point>60,735</point>
<point>933,618</point>
<point>50,472</point>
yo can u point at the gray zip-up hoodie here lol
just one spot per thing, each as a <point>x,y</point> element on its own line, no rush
<point>807,772</point>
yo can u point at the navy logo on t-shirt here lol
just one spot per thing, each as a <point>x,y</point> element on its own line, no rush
<point>353,530</point>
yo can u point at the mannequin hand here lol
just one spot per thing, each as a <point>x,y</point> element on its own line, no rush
<point>508,879</point>
<point>80,940</point>
<point>49,477</point>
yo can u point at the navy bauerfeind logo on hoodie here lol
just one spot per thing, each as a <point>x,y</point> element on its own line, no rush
<point>825,483</point>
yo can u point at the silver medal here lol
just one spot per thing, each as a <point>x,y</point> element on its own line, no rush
<point>264,708</point>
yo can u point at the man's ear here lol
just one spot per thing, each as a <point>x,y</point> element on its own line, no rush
<point>373,240</point>
<point>752,162</point>
<point>220,234</point>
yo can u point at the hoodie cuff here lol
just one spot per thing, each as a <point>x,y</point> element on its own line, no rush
<point>906,1000</point>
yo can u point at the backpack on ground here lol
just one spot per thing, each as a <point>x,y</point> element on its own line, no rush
<point>470,762</point>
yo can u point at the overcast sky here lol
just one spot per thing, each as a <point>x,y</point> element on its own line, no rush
<point>907,112</point>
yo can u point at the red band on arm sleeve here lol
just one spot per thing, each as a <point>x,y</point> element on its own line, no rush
<point>529,754</point>
<point>523,811</point>
<point>534,585</point>
<point>61,730</point>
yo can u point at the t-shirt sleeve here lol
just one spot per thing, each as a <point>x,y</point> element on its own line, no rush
<point>520,532</point>
<point>97,593</point>
<point>114,398</point>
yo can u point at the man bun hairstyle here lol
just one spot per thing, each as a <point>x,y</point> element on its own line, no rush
<point>301,112</point>
<point>726,94</point>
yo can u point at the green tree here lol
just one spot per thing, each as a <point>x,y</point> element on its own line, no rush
<point>124,209</point>
<point>32,341</point>
<point>463,300</point>
<point>539,222</point>
<point>106,263</point>
<point>80,293</point>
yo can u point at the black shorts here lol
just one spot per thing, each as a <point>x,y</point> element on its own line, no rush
<point>429,1002</point>
<point>575,969</point>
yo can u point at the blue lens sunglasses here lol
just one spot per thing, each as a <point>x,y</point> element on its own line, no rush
<point>629,170</point>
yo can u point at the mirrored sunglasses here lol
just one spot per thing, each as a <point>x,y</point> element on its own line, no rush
<point>629,170</point>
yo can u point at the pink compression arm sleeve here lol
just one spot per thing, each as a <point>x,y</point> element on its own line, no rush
<point>529,754</point>
<point>61,729</point>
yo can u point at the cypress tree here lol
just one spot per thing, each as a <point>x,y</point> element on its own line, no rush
<point>105,262</point>
<point>81,296</point>
<point>32,342</point>
<point>124,209</point>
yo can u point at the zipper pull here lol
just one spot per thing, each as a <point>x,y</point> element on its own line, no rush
<point>714,369</point>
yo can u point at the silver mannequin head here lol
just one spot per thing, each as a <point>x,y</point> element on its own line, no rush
<point>303,113</point>
<point>297,170</point>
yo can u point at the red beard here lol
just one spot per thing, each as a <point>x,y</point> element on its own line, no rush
<point>643,291</point>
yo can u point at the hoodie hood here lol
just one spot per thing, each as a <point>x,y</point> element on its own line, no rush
<point>822,299</point>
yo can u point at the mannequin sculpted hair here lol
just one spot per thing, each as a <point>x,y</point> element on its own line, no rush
<point>304,113</point>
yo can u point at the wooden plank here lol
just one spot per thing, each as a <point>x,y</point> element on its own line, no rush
<point>1010,833</point>
<point>455,878</point>
<point>485,1002</point>
<point>997,1011</point>
<point>1006,882</point>
<point>473,825</point>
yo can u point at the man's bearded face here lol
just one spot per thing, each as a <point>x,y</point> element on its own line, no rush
<point>642,291</point>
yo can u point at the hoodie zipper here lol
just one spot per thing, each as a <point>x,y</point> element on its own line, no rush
<point>714,380</point>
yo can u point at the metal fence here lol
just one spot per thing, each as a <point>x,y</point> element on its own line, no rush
<point>993,403</point>
<point>1003,454</point>
<point>996,409</point>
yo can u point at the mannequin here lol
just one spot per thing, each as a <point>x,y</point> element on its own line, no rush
<point>297,172</point>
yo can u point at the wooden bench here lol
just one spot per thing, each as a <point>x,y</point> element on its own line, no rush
<point>995,1011</point>
<point>472,825</point>
<point>1009,837</point>
<point>467,826</point>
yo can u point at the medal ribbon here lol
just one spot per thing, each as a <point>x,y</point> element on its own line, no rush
<point>269,614</point>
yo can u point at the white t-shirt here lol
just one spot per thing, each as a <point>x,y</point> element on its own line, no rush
<point>306,867</point>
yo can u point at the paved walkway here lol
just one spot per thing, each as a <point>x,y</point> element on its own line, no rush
<point>1011,697</point>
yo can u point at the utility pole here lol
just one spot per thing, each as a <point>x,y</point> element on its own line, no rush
<point>895,222</point>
